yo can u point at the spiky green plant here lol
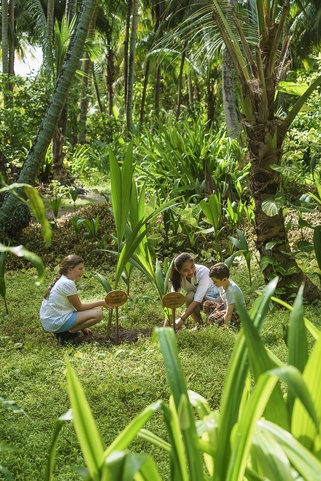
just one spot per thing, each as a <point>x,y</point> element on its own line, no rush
<point>260,431</point>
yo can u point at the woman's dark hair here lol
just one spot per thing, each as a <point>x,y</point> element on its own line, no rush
<point>68,262</point>
<point>178,262</point>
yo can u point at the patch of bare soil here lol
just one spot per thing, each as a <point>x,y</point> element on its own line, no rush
<point>126,336</point>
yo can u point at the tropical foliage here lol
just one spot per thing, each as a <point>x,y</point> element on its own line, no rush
<point>259,432</point>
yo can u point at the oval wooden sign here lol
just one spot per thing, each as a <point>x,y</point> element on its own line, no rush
<point>116,298</point>
<point>173,300</point>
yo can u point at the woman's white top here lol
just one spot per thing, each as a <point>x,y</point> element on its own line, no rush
<point>201,284</point>
<point>57,309</point>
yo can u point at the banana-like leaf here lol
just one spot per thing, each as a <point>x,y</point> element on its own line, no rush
<point>37,207</point>
<point>21,251</point>
<point>242,437</point>
<point>103,281</point>
<point>124,466</point>
<point>88,435</point>
<point>39,211</point>
<point>297,340</point>
<point>260,362</point>
<point>308,465</point>
<point>121,184</point>
<point>302,426</point>
<point>235,383</point>
<point>317,244</point>
<point>269,457</point>
<point>178,389</point>
<point>314,331</point>
<point>52,452</point>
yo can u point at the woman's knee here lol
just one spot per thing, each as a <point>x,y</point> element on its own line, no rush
<point>189,297</point>
<point>98,314</point>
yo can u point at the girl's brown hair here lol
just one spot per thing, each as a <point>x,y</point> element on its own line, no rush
<point>178,262</point>
<point>70,261</point>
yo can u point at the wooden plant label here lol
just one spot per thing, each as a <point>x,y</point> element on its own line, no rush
<point>116,298</point>
<point>173,300</point>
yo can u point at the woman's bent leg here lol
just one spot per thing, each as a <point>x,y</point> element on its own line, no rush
<point>196,315</point>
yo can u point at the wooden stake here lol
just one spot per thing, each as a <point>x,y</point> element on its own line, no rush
<point>116,299</point>
<point>172,300</point>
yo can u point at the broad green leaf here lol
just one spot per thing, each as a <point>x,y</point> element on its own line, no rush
<point>178,388</point>
<point>88,435</point>
<point>235,384</point>
<point>317,244</point>
<point>21,251</point>
<point>103,281</point>
<point>297,339</point>
<point>292,88</point>
<point>39,211</point>
<point>121,184</point>
<point>314,331</point>
<point>303,427</point>
<point>124,466</point>
<point>53,447</point>
<point>272,205</point>
<point>260,363</point>
<point>302,459</point>
<point>242,437</point>
<point>270,457</point>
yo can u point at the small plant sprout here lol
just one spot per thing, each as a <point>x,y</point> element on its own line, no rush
<point>74,193</point>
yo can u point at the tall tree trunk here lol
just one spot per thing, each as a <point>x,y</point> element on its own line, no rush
<point>126,50</point>
<point>110,75</point>
<point>13,216</point>
<point>157,87</point>
<point>51,18</point>
<point>5,36</point>
<point>131,68</point>
<point>142,107</point>
<point>11,41</point>
<point>85,84</point>
<point>233,125</point>
<point>180,82</point>
<point>7,97</point>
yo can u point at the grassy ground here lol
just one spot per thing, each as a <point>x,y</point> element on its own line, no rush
<point>119,381</point>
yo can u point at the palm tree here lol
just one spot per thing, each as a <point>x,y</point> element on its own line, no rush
<point>260,64</point>
<point>13,217</point>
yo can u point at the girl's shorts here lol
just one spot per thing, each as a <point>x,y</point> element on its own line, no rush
<point>69,324</point>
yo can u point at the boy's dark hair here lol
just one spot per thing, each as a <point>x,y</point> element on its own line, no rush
<point>220,271</point>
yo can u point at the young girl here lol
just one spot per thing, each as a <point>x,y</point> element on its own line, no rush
<point>195,281</point>
<point>62,312</point>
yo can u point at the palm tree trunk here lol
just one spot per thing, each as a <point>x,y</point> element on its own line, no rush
<point>131,64</point>
<point>180,82</point>
<point>85,84</point>
<point>10,219</point>
<point>142,107</point>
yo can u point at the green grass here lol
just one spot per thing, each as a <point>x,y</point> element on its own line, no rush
<point>119,381</point>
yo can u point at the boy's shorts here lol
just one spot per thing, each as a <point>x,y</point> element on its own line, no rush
<point>216,313</point>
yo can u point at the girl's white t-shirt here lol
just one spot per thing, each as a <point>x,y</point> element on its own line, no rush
<point>57,309</point>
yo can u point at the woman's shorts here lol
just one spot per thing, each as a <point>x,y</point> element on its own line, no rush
<point>69,324</point>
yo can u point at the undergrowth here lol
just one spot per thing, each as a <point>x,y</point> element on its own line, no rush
<point>119,380</point>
